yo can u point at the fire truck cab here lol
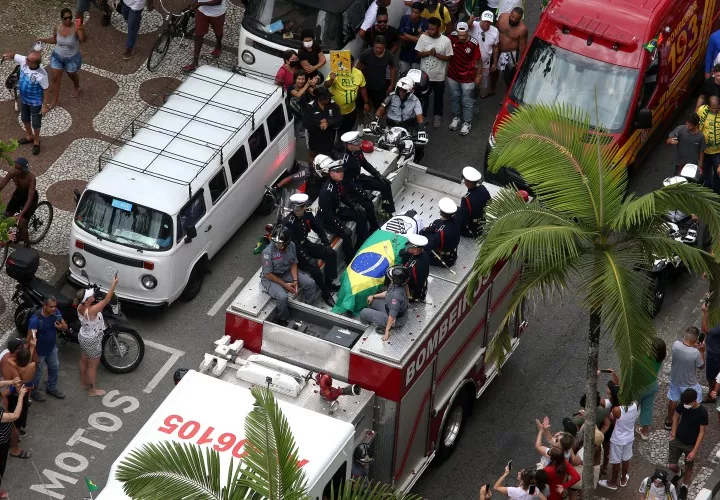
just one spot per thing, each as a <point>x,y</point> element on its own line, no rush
<point>639,59</point>
<point>425,379</point>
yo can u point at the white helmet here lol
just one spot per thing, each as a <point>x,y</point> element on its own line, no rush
<point>405,83</point>
<point>322,164</point>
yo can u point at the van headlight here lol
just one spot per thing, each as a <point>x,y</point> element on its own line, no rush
<point>78,260</point>
<point>148,281</point>
<point>248,57</point>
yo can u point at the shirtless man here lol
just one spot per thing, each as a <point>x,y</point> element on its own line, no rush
<point>12,371</point>
<point>24,199</point>
<point>513,41</point>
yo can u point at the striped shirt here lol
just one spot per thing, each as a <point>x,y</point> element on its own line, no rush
<point>464,60</point>
<point>5,428</point>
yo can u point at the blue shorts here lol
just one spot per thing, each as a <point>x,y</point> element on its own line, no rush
<point>31,114</point>
<point>674,392</point>
<point>70,64</point>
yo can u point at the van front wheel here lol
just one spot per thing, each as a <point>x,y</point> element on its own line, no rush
<point>194,284</point>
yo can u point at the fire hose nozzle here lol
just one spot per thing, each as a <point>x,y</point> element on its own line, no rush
<point>351,390</point>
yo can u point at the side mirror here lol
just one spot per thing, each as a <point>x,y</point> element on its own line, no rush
<point>644,119</point>
<point>190,234</point>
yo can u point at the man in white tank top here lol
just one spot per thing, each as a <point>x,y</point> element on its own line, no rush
<point>622,438</point>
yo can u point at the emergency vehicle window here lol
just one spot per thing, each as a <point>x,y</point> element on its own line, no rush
<point>649,83</point>
<point>257,142</point>
<point>218,186</point>
<point>336,482</point>
<point>191,213</point>
<point>276,122</point>
<point>238,164</point>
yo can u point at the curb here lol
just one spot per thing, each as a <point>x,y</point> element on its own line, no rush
<point>711,486</point>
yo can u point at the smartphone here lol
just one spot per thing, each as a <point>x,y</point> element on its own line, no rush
<point>531,491</point>
<point>701,338</point>
<point>116,273</point>
<point>509,465</point>
<point>78,23</point>
<point>606,371</point>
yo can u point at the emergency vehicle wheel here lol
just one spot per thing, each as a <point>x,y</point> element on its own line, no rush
<point>454,426</point>
<point>658,295</point>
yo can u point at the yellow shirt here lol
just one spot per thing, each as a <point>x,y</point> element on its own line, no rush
<point>444,19</point>
<point>710,126</point>
<point>344,90</point>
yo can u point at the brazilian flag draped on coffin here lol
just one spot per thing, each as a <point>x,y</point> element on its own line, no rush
<point>366,272</point>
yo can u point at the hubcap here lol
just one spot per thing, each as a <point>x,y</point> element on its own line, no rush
<point>452,426</point>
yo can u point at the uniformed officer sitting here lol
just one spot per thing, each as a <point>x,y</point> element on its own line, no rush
<point>389,309</point>
<point>402,107</point>
<point>337,206</point>
<point>306,175</point>
<point>417,261</point>
<point>443,235</point>
<point>280,275</point>
<point>354,162</point>
<point>300,221</point>
<point>471,212</point>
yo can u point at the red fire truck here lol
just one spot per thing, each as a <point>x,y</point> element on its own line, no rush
<point>420,386</point>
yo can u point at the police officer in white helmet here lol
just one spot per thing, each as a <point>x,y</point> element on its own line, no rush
<point>471,212</point>
<point>443,235</point>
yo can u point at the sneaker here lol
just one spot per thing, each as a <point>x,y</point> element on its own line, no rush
<point>329,300</point>
<point>437,121</point>
<point>105,21</point>
<point>54,392</point>
<point>189,68</point>
<point>128,54</point>
<point>454,123</point>
<point>22,433</point>
<point>465,129</point>
<point>682,494</point>
<point>333,287</point>
<point>667,425</point>
<point>38,396</point>
<point>215,53</point>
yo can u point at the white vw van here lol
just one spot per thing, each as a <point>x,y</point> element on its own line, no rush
<point>180,184</point>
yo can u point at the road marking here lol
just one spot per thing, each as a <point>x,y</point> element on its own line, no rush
<point>175,354</point>
<point>225,296</point>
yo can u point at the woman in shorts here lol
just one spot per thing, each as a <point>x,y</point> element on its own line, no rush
<point>66,57</point>
<point>90,337</point>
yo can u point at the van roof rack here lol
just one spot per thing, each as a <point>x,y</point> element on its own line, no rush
<point>203,104</point>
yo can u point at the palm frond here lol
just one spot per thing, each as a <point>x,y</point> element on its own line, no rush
<point>541,143</point>
<point>622,293</point>
<point>159,471</point>
<point>272,455</point>
<point>362,489</point>
<point>695,259</point>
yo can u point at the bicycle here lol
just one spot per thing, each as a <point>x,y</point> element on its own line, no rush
<point>181,25</point>
<point>38,227</point>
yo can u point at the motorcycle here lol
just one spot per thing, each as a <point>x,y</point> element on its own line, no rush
<point>681,227</point>
<point>409,147</point>
<point>122,347</point>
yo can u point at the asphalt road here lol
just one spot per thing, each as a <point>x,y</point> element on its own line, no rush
<point>543,377</point>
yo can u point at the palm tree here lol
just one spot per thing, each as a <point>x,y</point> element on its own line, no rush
<point>6,148</point>
<point>581,226</point>
<point>270,471</point>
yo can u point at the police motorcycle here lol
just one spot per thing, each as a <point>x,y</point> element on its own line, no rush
<point>122,347</point>
<point>421,87</point>
<point>681,227</point>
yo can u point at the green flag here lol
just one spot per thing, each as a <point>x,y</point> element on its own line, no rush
<point>90,485</point>
<point>366,272</point>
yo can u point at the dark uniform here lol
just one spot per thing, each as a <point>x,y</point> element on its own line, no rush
<point>322,141</point>
<point>306,175</point>
<point>308,251</point>
<point>471,211</point>
<point>419,266</point>
<point>353,164</point>
<point>336,206</point>
<point>443,237</point>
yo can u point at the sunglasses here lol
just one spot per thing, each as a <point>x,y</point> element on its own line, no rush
<point>67,18</point>
<point>483,36</point>
<point>381,22</point>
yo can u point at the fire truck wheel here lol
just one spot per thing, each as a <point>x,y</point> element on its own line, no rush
<point>454,425</point>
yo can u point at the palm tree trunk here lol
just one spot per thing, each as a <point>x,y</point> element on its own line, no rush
<point>591,379</point>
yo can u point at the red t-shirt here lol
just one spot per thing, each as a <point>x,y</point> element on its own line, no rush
<point>464,60</point>
<point>286,76</point>
<point>554,480</point>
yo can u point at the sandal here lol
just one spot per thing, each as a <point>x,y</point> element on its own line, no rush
<point>604,483</point>
<point>642,435</point>
<point>25,140</point>
<point>74,92</point>
<point>36,149</point>
<point>216,53</point>
<point>626,478</point>
<point>3,495</point>
<point>23,454</point>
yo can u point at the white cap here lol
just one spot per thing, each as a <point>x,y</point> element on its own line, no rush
<point>88,293</point>
<point>447,206</point>
<point>462,26</point>
<point>487,16</point>
<point>299,199</point>
<point>416,240</point>
<point>352,137</point>
<point>471,174</point>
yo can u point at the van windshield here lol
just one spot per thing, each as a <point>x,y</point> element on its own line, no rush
<point>124,222</point>
<point>552,75</point>
<point>281,21</point>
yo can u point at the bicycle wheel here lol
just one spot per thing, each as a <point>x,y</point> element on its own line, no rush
<point>159,51</point>
<point>188,27</point>
<point>39,223</point>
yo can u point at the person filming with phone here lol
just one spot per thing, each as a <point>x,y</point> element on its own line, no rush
<point>43,325</point>
<point>531,484</point>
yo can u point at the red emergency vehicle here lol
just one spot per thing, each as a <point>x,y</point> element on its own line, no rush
<point>641,58</point>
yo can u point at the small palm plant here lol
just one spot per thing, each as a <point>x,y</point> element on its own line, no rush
<point>270,469</point>
<point>581,230</point>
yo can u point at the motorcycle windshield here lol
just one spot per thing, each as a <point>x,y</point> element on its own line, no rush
<point>124,223</point>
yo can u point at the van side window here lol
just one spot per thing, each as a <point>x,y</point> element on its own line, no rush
<point>218,186</point>
<point>336,481</point>
<point>238,164</point>
<point>276,122</point>
<point>257,142</point>
<point>191,213</point>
